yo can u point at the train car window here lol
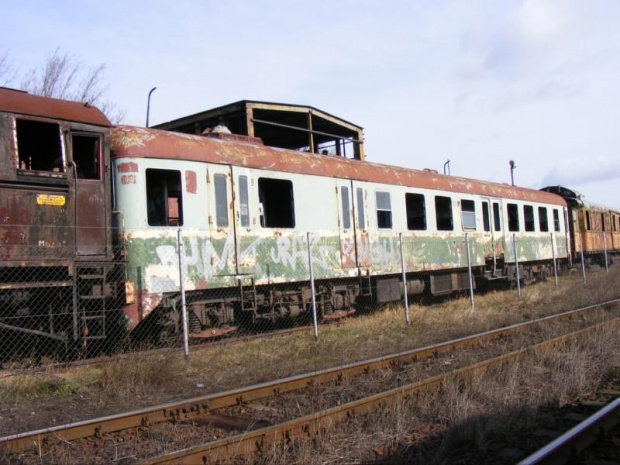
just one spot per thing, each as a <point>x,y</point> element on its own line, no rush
<point>416,212</point>
<point>468,215</point>
<point>603,221</point>
<point>497,218</point>
<point>528,218</point>
<point>277,203</point>
<point>86,155</point>
<point>221,200</point>
<point>615,222</point>
<point>346,207</point>
<point>163,196</point>
<point>384,210</point>
<point>556,220</point>
<point>244,204</point>
<point>486,217</point>
<point>588,224</point>
<point>39,147</point>
<point>543,221</point>
<point>443,213</point>
<point>361,215</point>
<point>513,217</point>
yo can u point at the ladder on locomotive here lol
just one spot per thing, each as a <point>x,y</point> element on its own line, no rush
<point>248,296</point>
<point>90,285</point>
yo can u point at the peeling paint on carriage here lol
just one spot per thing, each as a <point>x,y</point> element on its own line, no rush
<point>132,142</point>
<point>210,264</point>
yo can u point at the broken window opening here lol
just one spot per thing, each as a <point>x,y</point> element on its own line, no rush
<point>346,207</point>
<point>163,194</point>
<point>221,200</point>
<point>513,217</point>
<point>361,215</point>
<point>443,212</point>
<point>468,215</point>
<point>86,156</point>
<point>543,221</point>
<point>416,212</point>
<point>528,218</point>
<point>39,146</point>
<point>244,214</point>
<point>486,217</point>
<point>384,210</point>
<point>276,202</point>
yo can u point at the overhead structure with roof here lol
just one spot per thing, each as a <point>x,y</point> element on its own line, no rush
<point>296,127</point>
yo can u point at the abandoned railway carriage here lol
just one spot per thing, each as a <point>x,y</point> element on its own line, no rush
<point>56,256</point>
<point>246,212</point>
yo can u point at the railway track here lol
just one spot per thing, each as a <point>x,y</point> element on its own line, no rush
<point>205,406</point>
<point>250,442</point>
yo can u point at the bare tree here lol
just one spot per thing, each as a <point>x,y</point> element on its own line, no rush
<point>64,76</point>
<point>7,71</point>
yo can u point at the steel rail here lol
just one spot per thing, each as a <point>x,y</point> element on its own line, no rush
<point>578,438</point>
<point>199,406</point>
<point>308,426</point>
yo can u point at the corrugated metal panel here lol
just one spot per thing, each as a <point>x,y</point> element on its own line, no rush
<point>15,101</point>
<point>148,143</point>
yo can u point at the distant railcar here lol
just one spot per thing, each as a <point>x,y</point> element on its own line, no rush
<point>56,254</point>
<point>245,211</point>
<point>594,229</point>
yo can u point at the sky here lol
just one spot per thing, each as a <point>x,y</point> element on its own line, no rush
<point>476,82</point>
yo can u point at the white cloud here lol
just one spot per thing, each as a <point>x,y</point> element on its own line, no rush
<point>578,171</point>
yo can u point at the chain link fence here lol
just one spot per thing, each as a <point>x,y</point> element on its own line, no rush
<point>168,287</point>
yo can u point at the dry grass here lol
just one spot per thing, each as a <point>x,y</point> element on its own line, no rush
<point>147,379</point>
<point>487,418</point>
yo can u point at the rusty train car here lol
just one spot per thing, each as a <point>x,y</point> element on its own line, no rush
<point>594,230</point>
<point>92,215</point>
<point>56,254</point>
<point>248,214</point>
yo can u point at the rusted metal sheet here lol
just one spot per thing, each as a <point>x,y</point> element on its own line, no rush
<point>136,142</point>
<point>31,226</point>
<point>15,101</point>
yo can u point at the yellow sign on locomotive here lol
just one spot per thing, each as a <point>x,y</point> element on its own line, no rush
<point>53,200</point>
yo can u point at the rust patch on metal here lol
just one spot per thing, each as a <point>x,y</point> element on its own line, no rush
<point>128,167</point>
<point>135,142</point>
<point>190,181</point>
<point>14,101</point>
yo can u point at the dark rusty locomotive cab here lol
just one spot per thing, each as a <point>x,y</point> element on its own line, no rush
<point>54,219</point>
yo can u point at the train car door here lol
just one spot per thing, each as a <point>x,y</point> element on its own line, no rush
<point>498,234</point>
<point>346,224</point>
<point>221,223</point>
<point>246,221</point>
<point>362,239</point>
<point>91,199</point>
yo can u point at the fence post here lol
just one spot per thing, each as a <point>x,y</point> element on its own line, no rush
<point>514,246</point>
<point>555,263</point>
<point>314,319</point>
<point>471,282</point>
<point>583,263</point>
<point>402,265</point>
<point>182,292</point>
<point>605,246</point>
